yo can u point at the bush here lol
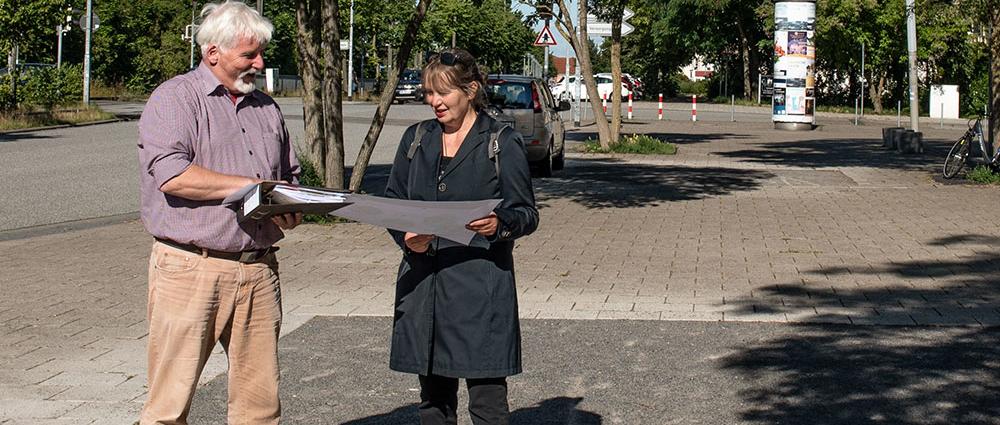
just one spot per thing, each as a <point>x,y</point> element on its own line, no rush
<point>984,174</point>
<point>45,88</point>
<point>636,144</point>
<point>687,87</point>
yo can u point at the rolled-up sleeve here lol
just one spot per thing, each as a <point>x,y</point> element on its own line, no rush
<point>166,134</point>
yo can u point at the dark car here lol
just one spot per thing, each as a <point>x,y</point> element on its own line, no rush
<point>409,86</point>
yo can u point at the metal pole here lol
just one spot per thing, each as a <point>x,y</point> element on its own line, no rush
<point>863,80</point>
<point>759,92</point>
<point>86,51</point>
<point>59,32</point>
<point>732,112</point>
<point>911,47</point>
<point>576,108</point>
<point>545,68</point>
<point>350,57</point>
<point>899,111</point>
<point>191,63</point>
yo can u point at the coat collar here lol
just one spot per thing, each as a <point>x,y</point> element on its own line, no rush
<point>478,134</point>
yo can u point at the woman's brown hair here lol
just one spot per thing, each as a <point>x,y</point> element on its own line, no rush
<point>457,68</point>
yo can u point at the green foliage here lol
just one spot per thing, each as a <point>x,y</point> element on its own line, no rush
<point>494,34</point>
<point>687,87</point>
<point>50,87</point>
<point>30,24</point>
<point>44,88</point>
<point>634,144</point>
<point>983,174</point>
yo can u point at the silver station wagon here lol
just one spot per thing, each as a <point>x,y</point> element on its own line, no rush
<point>527,102</point>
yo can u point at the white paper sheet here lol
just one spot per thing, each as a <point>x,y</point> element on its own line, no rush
<point>443,219</point>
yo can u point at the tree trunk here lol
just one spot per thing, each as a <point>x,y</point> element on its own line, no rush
<point>388,94</point>
<point>995,67</point>
<point>875,91</point>
<point>307,42</point>
<point>333,114</point>
<point>616,76</point>
<point>745,54</point>
<point>578,41</point>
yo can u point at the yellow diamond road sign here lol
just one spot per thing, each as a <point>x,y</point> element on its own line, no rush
<point>545,38</point>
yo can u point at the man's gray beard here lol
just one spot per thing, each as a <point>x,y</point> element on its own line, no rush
<point>244,87</point>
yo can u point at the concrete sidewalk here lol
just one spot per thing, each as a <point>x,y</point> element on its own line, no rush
<point>745,224</point>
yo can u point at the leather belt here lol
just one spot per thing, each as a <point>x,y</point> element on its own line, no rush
<point>245,257</point>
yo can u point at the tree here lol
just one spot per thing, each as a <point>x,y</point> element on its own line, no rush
<point>613,10</point>
<point>385,101</point>
<point>578,40</point>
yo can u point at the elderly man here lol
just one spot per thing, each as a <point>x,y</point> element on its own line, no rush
<point>202,136</point>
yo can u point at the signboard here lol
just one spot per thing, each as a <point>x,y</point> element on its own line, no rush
<point>793,99</point>
<point>345,45</point>
<point>596,27</point>
<point>766,86</point>
<point>545,38</point>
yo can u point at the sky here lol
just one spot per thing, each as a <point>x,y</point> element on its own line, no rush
<point>562,48</point>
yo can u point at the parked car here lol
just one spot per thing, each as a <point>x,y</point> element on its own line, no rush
<point>535,114</point>
<point>564,90</point>
<point>410,86</point>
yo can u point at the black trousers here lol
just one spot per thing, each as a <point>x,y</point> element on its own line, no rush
<point>439,401</point>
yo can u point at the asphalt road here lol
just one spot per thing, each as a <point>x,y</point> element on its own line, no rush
<point>334,371</point>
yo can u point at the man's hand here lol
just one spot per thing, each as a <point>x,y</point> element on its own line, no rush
<point>486,226</point>
<point>418,243</point>
<point>287,221</point>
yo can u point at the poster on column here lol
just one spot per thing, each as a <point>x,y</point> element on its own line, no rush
<point>794,62</point>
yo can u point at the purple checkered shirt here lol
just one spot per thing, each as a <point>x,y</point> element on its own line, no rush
<point>191,119</point>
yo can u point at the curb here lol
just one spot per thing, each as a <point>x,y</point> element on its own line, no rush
<point>54,127</point>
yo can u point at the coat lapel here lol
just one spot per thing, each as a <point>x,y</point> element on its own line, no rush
<point>477,136</point>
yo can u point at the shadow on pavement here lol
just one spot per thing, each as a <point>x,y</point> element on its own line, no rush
<point>841,153</point>
<point>20,137</point>
<point>556,410</point>
<point>855,375</point>
<point>614,183</point>
<point>676,138</point>
<point>883,374</point>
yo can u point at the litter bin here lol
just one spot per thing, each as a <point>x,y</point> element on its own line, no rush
<point>887,136</point>
<point>911,142</point>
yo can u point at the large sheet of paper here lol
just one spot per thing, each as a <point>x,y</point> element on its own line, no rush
<point>443,219</point>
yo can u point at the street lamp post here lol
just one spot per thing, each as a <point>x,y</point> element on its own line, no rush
<point>86,52</point>
<point>350,57</point>
<point>911,47</point>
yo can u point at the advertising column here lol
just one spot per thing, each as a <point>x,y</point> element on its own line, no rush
<point>793,104</point>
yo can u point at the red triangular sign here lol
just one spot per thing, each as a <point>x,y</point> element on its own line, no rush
<point>545,38</point>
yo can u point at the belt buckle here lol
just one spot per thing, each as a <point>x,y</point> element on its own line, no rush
<point>248,256</point>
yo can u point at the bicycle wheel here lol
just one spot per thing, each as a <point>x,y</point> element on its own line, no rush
<point>956,158</point>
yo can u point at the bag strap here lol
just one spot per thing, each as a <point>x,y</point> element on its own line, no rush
<point>494,147</point>
<point>417,137</point>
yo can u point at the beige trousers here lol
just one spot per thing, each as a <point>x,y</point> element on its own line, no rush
<point>196,301</point>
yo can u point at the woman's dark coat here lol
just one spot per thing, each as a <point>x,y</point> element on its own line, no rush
<point>456,306</point>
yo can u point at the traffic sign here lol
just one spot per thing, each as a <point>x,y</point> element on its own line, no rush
<point>599,28</point>
<point>545,38</point>
<point>83,22</point>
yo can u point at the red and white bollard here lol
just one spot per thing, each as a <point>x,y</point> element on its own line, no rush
<point>630,105</point>
<point>659,111</point>
<point>604,102</point>
<point>694,108</point>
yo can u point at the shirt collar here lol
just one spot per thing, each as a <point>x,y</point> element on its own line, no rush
<point>211,84</point>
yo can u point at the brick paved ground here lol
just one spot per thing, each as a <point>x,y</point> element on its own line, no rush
<point>744,224</point>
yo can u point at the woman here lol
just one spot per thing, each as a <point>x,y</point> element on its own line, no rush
<point>456,306</point>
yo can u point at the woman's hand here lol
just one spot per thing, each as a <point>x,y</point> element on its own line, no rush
<point>418,243</point>
<point>486,226</point>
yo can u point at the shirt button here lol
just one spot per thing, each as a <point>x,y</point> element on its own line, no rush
<point>442,187</point>
<point>258,175</point>
<point>243,130</point>
<point>251,153</point>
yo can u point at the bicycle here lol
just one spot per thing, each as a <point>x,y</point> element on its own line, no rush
<point>958,156</point>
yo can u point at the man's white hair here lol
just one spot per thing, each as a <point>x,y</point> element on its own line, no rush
<point>224,25</point>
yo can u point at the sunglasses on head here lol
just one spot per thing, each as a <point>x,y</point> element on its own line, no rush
<point>447,58</point>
